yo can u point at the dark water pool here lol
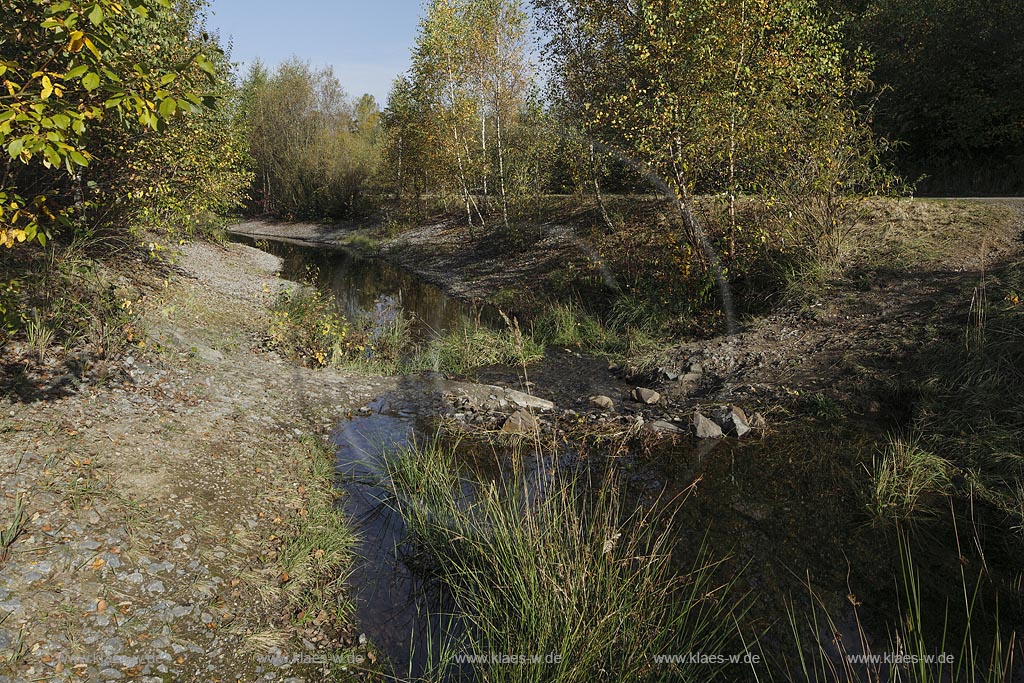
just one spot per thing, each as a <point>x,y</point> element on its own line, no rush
<point>366,287</point>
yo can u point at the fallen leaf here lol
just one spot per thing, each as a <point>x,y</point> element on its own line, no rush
<point>101,605</point>
<point>97,563</point>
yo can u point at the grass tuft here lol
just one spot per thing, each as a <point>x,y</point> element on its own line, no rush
<point>903,477</point>
<point>561,572</point>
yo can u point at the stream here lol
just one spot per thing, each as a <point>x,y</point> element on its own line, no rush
<point>765,505</point>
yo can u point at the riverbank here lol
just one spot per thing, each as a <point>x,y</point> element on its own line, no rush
<point>909,281</point>
<point>164,511</point>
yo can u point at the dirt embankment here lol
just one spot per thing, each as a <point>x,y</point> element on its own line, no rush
<point>913,268</point>
<point>153,504</point>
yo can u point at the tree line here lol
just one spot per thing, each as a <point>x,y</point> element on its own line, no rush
<point>115,116</point>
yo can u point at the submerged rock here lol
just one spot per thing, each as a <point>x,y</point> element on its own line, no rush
<point>490,396</point>
<point>645,396</point>
<point>705,428</point>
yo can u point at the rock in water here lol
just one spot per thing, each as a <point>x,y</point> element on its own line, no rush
<point>520,422</point>
<point>705,428</point>
<point>602,402</point>
<point>645,396</point>
<point>663,427</point>
<point>733,421</point>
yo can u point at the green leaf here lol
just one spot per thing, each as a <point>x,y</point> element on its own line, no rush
<point>205,64</point>
<point>167,107</point>
<point>76,72</point>
<point>14,149</point>
<point>78,158</point>
<point>91,81</point>
<point>52,155</point>
<point>96,15</point>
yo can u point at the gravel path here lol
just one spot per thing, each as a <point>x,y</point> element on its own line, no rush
<point>153,502</point>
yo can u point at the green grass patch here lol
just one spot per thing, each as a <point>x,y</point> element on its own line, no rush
<point>317,551</point>
<point>474,345</point>
<point>568,574</point>
<point>906,478</point>
<point>630,330</point>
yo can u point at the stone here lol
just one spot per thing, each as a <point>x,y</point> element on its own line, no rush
<point>488,396</point>
<point>757,422</point>
<point>732,420</point>
<point>520,422</point>
<point>602,402</point>
<point>691,378</point>
<point>669,374</point>
<point>645,396</point>
<point>704,428</point>
<point>663,427</point>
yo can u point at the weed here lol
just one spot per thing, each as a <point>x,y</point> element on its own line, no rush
<point>630,331</point>
<point>568,324</point>
<point>304,324</point>
<point>475,345</point>
<point>39,336</point>
<point>824,407</point>
<point>965,655</point>
<point>902,477</point>
<point>14,528</point>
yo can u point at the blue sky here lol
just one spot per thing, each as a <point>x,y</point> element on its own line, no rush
<point>366,41</point>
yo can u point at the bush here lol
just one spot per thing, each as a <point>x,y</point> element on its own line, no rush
<point>305,325</point>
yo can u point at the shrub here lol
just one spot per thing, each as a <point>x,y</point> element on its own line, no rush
<point>304,324</point>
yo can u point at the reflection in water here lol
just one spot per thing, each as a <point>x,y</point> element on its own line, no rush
<point>373,288</point>
<point>402,612</point>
